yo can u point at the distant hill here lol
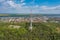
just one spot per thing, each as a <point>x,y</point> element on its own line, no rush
<point>26,15</point>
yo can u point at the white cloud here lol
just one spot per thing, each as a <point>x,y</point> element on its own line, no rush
<point>36,6</point>
<point>22,8</point>
<point>14,5</point>
<point>46,9</point>
<point>22,0</point>
<point>50,8</point>
<point>23,4</point>
<point>11,3</point>
<point>2,0</point>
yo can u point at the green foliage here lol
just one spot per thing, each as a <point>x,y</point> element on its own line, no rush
<point>40,31</point>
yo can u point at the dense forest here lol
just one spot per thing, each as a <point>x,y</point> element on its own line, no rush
<point>40,31</point>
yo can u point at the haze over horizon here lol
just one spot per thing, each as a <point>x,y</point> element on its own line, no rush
<point>25,6</point>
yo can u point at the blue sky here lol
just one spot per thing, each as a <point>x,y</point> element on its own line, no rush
<point>25,6</point>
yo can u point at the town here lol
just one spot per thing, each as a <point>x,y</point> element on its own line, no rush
<point>27,19</point>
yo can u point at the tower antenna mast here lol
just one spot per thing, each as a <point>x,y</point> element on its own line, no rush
<point>31,20</point>
<point>31,16</point>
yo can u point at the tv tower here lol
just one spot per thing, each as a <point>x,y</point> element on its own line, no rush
<point>31,20</point>
<point>31,16</point>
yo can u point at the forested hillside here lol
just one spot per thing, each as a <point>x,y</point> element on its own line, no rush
<point>40,31</point>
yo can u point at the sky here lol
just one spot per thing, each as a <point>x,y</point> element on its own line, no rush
<point>30,6</point>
